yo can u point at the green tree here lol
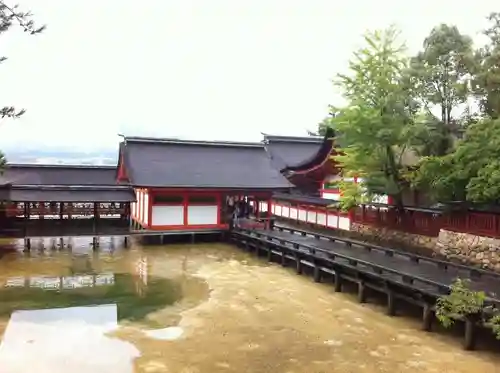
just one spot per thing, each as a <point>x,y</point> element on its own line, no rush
<point>322,126</point>
<point>375,128</point>
<point>486,81</point>
<point>10,16</point>
<point>462,302</point>
<point>441,74</point>
<point>471,173</point>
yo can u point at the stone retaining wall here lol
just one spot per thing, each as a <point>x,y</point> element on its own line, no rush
<point>470,249</point>
<point>415,243</point>
<point>465,248</point>
<point>458,247</point>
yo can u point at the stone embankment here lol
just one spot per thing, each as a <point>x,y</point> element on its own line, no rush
<point>461,247</point>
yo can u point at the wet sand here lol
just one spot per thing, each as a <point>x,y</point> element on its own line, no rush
<point>240,314</point>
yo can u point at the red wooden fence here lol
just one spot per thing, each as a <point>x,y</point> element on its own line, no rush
<point>427,222</point>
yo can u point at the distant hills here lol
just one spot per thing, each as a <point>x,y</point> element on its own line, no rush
<point>62,156</point>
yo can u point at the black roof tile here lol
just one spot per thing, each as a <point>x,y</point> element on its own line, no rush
<point>68,194</point>
<point>288,151</point>
<point>293,153</point>
<point>200,164</point>
<point>37,174</point>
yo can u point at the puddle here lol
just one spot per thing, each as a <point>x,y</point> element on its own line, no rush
<point>168,334</point>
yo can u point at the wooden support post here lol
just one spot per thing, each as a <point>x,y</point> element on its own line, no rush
<point>391,303</point>
<point>427,317</point>
<point>27,244</point>
<point>470,334</point>
<point>269,214</point>
<point>94,243</point>
<point>317,272</point>
<point>298,264</point>
<point>283,258</point>
<point>41,211</point>
<point>338,281</point>
<point>61,210</point>
<point>361,292</point>
<point>61,242</point>
<point>125,241</point>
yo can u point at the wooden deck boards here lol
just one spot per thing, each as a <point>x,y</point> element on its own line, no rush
<point>400,263</point>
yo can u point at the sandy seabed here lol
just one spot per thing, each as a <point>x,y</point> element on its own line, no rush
<point>263,318</point>
<point>240,314</point>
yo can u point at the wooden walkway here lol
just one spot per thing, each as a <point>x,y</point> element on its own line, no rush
<point>397,274</point>
<point>438,273</point>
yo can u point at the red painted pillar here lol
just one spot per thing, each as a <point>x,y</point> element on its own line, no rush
<point>269,212</point>
<point>185,204</point>
<point>219,207</point>
<point>150,208</point>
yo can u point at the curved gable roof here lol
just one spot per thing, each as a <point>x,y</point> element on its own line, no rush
<point>153,162</point>
<point>299,153</point>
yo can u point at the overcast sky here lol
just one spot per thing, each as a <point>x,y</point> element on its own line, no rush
<point>206,69</point>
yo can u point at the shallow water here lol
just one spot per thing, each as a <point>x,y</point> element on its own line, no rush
<point>198,308</point>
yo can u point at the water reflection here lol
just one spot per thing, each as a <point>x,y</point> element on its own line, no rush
<point>203,309</point>
<point>71,339</point>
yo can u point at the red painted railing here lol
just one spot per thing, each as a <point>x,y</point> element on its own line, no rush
<point>429,223</point>
<point>478,223</point>
<point>415,222</point>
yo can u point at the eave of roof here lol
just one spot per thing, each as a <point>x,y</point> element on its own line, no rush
<point>315,151</point>
<point>60,166</point>
<point>172,163</point>
<point>65,193</point>
<point>58,174</point>
<point>155,140</point>
<point>297,139</point>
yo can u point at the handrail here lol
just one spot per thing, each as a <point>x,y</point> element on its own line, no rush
<point>440,263</point>
<point>352,259</point>
<point>442,288</point>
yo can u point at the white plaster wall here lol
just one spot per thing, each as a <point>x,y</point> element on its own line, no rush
<point>262,206</point>
<point>285,211</point>
<point>332,196</point>
<point>167,215</point>
<point>332,221</point>
<point>278,210</point>
<point>133,207</point>
<point>344,223</point>
<point>321,218</point>
<point>202,215</point>
<point>293,213</point>
<point>311,216</point>
<point>302,215</point>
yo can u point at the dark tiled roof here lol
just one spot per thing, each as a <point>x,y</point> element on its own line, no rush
<point>302,198</point>
<point>69,194</point>
<point>36,174</point>
<point>288,151</point>
<point>175,163</point>
<point>4,194</point>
